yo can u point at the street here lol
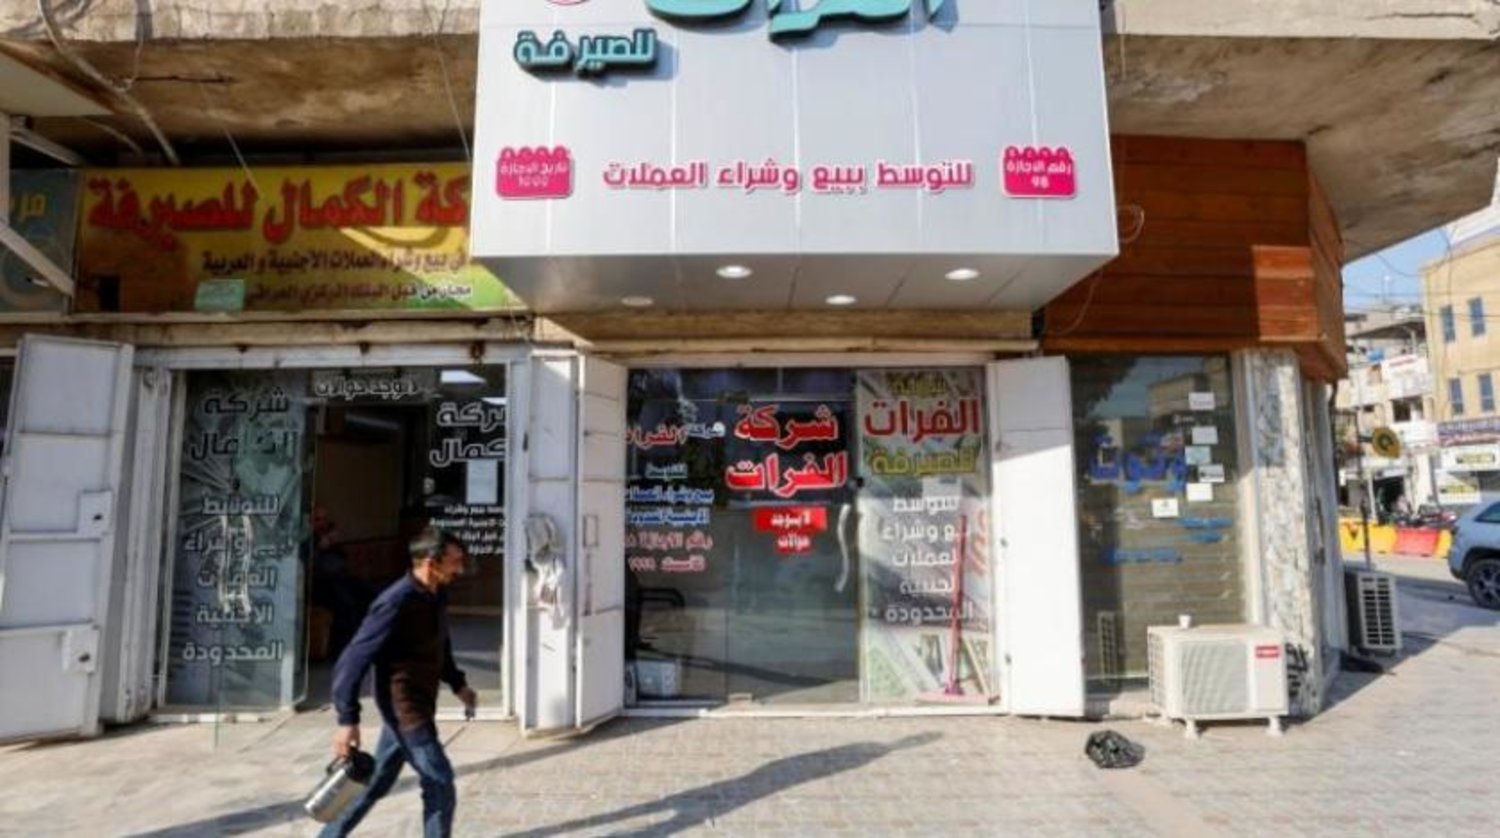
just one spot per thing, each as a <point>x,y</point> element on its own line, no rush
<point>1410,752</point>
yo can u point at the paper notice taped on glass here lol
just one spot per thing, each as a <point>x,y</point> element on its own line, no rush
<point>483,483</point>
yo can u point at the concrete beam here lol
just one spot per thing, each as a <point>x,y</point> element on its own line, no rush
<point>232,20</point>
<point>1394,98</point>
<point>1402,134</point>
<point>1396,19</point>
<point>125,20</point>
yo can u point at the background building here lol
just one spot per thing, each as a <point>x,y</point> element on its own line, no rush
<point>1461,300</point>
<point>1389,385</point>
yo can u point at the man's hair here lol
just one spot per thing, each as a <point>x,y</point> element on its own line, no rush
<point>430,542</point>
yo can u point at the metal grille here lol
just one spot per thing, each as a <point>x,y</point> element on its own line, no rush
<point>1107,634</point>
<point>1215,677</point>
<point>1377,612</point>
<point>1156,673</point>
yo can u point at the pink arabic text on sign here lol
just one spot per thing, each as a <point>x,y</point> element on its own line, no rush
<point>534,173</point>
<point>1038,172</point>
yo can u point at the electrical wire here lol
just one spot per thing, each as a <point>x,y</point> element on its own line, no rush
<point>437,46</point>
<point>1088,300</point>
<point>128,141</point>
<point>54,33</point>
<point>213,114</point>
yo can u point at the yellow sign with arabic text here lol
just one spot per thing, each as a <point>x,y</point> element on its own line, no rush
<point>390,236</point>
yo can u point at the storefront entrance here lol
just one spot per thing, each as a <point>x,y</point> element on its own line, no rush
<point>809,536</point>
<point>298,493</point>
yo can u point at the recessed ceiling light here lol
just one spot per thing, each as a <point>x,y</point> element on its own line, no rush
<point>841,300</point>
<point>636,302</point>
<point>734,271</point>
<point>460,377</point>
<point>963,274</point>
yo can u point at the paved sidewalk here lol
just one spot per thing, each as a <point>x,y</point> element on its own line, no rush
<point>1410,753</point>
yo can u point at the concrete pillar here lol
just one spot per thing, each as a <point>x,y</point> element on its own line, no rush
<point>1280,501</point>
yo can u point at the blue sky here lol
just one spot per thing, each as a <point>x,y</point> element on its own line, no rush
<point>1365,281</point>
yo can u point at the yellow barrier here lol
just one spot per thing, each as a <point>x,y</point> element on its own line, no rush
<point>1351,536</point>
<point>1382,539</point>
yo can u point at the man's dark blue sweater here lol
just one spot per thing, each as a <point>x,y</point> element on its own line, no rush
<point>405,637</point>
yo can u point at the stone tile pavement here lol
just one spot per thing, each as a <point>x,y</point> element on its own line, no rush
<point>1412,752</point>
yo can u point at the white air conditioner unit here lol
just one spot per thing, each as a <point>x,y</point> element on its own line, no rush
<point>1211,673</point>
<point>1370,602</point>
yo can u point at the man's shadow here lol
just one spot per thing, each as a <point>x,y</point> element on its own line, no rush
<point>696,806</point>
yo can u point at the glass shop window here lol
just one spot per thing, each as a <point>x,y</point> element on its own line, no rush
<point>1158,504</point>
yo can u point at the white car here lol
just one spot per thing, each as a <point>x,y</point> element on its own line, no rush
<point>1475,557</point>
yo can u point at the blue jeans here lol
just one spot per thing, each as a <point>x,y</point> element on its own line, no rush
<point>423,749</point>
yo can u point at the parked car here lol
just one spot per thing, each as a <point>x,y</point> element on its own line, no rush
<point>1428,516</point>
<point>1475,557</point>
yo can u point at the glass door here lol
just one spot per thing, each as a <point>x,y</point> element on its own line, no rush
<point>740,586</point>
<point>924,537</point>
<point>794,584</point>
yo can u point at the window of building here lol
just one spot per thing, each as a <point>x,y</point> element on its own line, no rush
<point>1450,331</point>
<point>1476,317</point>
<point>1157,503</point>
<point>1456,395</point>
<point>1486,393</point>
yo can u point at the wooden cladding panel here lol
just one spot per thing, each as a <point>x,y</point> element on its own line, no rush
<point>1187,151</point>
<point>1327,256</point>
<point>1225,244</point>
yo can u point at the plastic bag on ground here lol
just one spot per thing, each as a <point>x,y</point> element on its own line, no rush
<point>1109,749</point>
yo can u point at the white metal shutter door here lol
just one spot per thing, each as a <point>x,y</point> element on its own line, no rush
<point>601,543</point>
<point>1035,514</point>
<point>62,469</point>
<point>129,641</point>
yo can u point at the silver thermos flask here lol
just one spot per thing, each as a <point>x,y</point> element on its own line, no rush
<point>346,779</point>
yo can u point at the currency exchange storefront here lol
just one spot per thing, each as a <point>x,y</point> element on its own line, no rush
<point>804,248</point>
<point>295,369</point>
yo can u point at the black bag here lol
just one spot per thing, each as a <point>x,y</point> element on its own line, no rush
<point>1111,750</point>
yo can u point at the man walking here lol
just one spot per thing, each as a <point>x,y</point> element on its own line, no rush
<point>405,637</point>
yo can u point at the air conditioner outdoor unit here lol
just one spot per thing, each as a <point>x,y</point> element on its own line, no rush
<point>1209,673</point>
<point>1370,602</point>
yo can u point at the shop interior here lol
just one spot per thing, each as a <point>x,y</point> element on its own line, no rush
<point>298,495</point>
<point>374,489</point>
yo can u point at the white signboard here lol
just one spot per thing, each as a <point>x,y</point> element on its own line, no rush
<point>872,148</point>
<point>1471,458</point>
<point>1457,488</point>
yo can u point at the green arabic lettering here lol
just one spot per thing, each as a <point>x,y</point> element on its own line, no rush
<point>804,21</point>
<point>699,8</point>
<point>794,22</point>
